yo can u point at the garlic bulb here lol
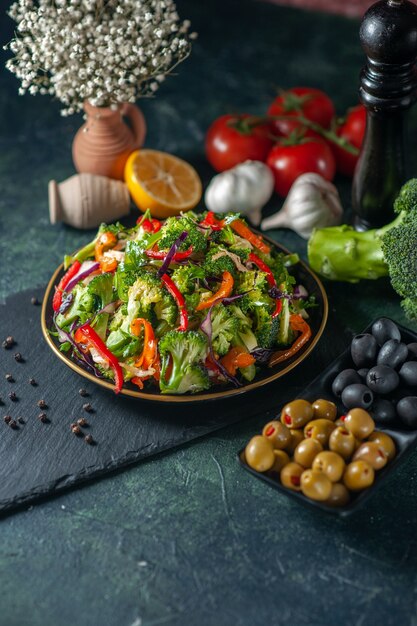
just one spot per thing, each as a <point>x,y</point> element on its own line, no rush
<point>312,202</point>
<point>245,188</point>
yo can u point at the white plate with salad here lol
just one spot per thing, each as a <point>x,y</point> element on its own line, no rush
<point>194,308</point>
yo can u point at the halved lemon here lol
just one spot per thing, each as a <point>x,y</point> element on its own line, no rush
<point>162,183</point>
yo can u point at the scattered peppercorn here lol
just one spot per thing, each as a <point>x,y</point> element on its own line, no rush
<point>7,419</point>
<point>42,404</point>
<point>76,429</point>
<point>9,378</point>
<point>8,342</point>
<point>21,420</point>
<point>43,417</point>
<point>13,396</point>
<point>83,392</point>
<point>34,301</point>
<point>89,439</point>
<point>82,422</point>
<point>32,382</point>
<point>87,407</point>
<point>18,357</point>
<point>13,424</point>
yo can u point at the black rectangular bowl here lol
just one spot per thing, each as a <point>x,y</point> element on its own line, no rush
<point>321,387</point>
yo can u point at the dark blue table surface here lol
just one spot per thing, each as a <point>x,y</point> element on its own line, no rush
<point>188,538</point>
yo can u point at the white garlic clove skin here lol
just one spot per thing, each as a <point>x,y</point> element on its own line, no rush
<point>312,202</point>
<point>245,188</point>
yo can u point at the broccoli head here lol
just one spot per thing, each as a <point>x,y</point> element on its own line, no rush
<point>224,327</point>
<point>182,355</point>
<point>173,228</point>
<point>341,253</point>
<point>217,261</point>
<point>145,291</point>
<point>185,277</point>
<point>253,279</point>
<point>244,336</point>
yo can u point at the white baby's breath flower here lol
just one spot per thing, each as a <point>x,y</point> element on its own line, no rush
<point>104,51</point>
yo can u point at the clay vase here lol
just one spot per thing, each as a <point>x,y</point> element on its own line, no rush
<point>103,144</point>
<point>85,200</point>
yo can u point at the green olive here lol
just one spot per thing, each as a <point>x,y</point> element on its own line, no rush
<point>358,475</point>
<point>324,409</point>
<point>315,485</point>
<point>386,443</point>
<point>278,434</point>
<point>297,436</point>
<point>359,423</point>
<point>319,429</point>
<point>281,459</point>
<point>373,453</point>
<point>306,451</point>
<point>259,454</point>
<point>331,464</point>
<point>342,442</point>
<point>339,495</point>
<point>297,413</point>
<point>291,476</point>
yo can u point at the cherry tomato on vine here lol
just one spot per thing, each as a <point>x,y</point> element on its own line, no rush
<point>308,102</point>
<point>353,130</point>
<point>232,139</point>
<point>289,161</point>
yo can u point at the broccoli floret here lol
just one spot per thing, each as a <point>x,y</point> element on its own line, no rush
<point>245,336</point>
<point>254,299</point>
<point>145,291</point>
<point>217,262</point>
<point>124,278</point>
<point>254,279</point>
<point>265,327</point>
<point>173,228</point>
<point>182,354</point>
<point>185,277</point>
<point>341,253</point>
<point>225,235</point>
<point>225,327</point>
<point>101,288</point>
<point>166,309</point>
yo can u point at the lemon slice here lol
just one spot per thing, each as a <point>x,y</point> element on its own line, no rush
<point>162,183</point>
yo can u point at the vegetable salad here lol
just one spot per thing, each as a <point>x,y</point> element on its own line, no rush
<point>184,305</point>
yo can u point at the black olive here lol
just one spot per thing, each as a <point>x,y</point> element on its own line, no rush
<point>408,373</point>
<point>383,411</point>
<point>357,396</point>
<point>363,350</point>
<point>412,351</point>
<point>392,353</point>
<point>363,372</point>
<point>343,379</point>
<point>384,329</point>
<point>382,379</point>
<point>407,411</point>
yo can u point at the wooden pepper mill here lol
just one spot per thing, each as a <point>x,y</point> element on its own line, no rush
<point>388,36</point>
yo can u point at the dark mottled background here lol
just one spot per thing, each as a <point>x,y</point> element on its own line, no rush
<point>188,538</point>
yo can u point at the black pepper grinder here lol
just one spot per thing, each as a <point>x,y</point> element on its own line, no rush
<point>388,36</point>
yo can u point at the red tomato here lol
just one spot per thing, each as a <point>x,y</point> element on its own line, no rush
<point>311,103</point>
<point>288,162</point>
<point>353,130</point>
<point>229,142</point>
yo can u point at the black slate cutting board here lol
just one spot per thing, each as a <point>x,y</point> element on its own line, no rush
<point>39,459</point>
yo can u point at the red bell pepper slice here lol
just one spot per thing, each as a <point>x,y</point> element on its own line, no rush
<point>149,225</point>
<point>212,222</point>
<point>179,299</point>
<point>93,340</point>
<point>269,277</point>
<point>161,255</point>
<point>59,290</point>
